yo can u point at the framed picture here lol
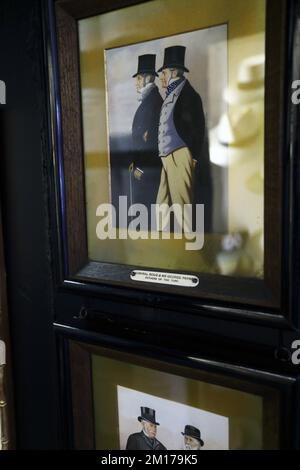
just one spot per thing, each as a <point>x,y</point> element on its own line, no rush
<point>169,137</point>
<point>130,397</point>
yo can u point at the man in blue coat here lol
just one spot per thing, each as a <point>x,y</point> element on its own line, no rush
<point>146,166</point>
<point>183,142</point>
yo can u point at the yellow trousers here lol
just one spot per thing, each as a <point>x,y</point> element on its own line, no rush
<point>176,186</point>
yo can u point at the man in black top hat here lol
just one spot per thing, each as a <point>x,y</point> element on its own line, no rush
<point>146,168</point>
<point>146,439</point>
<point>192,438</point>
<point>182,140</point>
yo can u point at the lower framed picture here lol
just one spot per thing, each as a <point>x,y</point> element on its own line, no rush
<point>118,395</point>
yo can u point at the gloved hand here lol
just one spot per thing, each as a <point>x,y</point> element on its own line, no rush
<point>137,172</point>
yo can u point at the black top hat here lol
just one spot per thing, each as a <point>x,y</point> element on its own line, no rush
<point>146,65</point>
<point>174,58</point>
<point>190,431</point>
<point>148,415</point>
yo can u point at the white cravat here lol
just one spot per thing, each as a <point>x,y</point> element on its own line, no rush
<point>144,92</point>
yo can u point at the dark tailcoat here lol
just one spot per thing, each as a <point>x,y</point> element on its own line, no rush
<point>140,441</point>
<point>145,154</point>
<point>189,120</point>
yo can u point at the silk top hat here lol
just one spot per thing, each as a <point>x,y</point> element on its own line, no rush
<point>174,58</point>
<point>147,64</point>
<point>190,431</point>
<point>148,415</point>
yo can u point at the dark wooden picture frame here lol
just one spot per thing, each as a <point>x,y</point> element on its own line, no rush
<point>76,349</point>
<point>267,300</point>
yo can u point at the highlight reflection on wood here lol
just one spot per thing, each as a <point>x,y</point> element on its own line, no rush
<point>3,413</point>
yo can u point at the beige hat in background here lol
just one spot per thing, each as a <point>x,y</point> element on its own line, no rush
<point>250,85</point>
<point>235,137</point>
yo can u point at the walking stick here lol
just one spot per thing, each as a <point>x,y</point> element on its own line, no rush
<point>131,171</point>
